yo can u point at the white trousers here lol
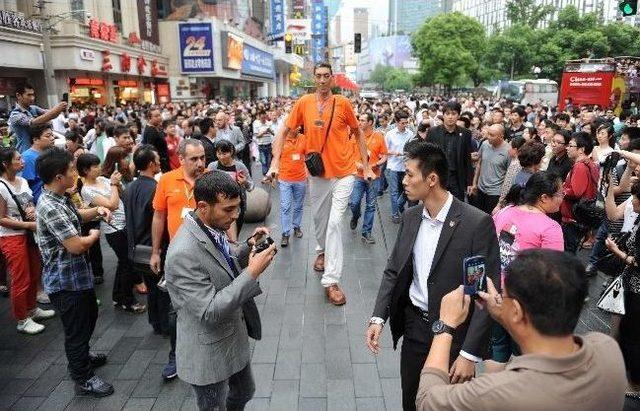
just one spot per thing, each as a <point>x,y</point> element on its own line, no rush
<point>330,199</point>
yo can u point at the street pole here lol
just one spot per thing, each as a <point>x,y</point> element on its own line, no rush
<point>47,57</point>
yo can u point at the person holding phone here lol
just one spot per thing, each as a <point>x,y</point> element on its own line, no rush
<point>433,239</point>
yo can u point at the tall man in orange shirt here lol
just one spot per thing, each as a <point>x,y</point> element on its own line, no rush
<point>377,153</point>
<point>323,114</point>
<point>173,200</point>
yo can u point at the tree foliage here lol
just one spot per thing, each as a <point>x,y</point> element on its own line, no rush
<point>390,78</point>
<point>527,12</point>
<point>450,48</point>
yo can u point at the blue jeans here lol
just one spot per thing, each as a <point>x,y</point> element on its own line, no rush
<point>383,185</point>
<point>291,197</point>
<point>360,188</point>
<point>265,157</point>
<point>599,248</point>
<point>396,192</point>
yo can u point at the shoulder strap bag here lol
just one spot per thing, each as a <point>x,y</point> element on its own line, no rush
<point>30,238</point>
<point>313,160</point>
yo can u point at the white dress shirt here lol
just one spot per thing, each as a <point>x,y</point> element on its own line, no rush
<point>424,250</point>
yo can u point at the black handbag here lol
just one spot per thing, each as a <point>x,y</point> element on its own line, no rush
<point>589,212</point>
<point>313,160</point>
<point>31,240</point>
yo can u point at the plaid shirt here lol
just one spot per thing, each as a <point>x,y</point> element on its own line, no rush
<point>57,220</point>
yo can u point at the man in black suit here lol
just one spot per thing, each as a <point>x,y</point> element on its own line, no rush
<point>426,264</point>
<point>457,144</point>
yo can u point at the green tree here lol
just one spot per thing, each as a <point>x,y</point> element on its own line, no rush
<point>512,52</point>
<point>379,74</point>
<point>450,48</point>
<point>527,12</point>
<point>398,79</point>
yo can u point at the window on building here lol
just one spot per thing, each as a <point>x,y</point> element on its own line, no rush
<point>77,9</point>
<point>117,14</point>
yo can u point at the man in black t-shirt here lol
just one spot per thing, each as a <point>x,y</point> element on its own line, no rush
<point>154,135</point>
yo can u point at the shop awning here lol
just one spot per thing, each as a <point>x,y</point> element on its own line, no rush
<point>342,81</point>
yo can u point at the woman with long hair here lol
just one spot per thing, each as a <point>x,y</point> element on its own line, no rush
<point>606,144</point>
<point>98,190</point>
<point>17,224</point>
<point>117,159</point>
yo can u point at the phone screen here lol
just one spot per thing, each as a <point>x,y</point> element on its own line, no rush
<point>474,275</point>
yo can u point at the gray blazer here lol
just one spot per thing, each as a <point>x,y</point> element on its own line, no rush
<point>212,340</point>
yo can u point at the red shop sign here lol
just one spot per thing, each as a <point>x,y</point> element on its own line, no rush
<point>127,83</point>
<point>162,89</point>
<point>82,81</point>
<point>103,31</point>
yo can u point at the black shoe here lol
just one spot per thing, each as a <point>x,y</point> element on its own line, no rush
<point>297,232</point>
<point>354,223</point>
<point>97,360</point>
<point>368,239</point>
<point>94,387</point>
<point>98,279</point>
<point>285,241</point>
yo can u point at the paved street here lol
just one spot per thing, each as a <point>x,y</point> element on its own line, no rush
<point>311,357</point>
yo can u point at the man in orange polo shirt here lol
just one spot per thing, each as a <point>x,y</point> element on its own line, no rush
<point>323,114</point>
<point>377,151</point>
<point>172,201</point>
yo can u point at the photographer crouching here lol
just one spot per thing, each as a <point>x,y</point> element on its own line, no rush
<point>213,298</point>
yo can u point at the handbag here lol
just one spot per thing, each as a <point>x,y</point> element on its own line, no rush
<point>589,212</point>
<point>313,160</point>
<point>31,240</point>
<point>141,254</point>
<point>612,300</point>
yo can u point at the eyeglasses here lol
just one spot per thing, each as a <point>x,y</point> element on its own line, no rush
<point>555,143</point>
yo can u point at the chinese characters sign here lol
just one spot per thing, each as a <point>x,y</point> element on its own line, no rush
<point>196,47</point>
<point>277,20</point>
<point>148,21</point>
<point>16,20</point>
<point>103,31</point>
<point>319,26</point>
<point>256,62</point>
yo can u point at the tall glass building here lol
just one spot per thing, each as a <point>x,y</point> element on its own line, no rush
<point>406,16</point>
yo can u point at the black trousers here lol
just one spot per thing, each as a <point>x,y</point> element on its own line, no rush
<point>158,301</point>
<point>484,202</point>
<point>416,343</point>
<point>125,278</point>
<point>78,311</point>
<point>95,252</point>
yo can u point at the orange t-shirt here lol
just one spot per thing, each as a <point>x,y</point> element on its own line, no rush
<point>376,148</point>
<point>337,155</point>
<point>292,166</point>
<point>174,195</point>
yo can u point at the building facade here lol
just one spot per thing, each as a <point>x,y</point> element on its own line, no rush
<point>406,16</point>
<point>97,53</point>
<point>361,22</point>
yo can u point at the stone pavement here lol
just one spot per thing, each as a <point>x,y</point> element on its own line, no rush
<point>311,357</point>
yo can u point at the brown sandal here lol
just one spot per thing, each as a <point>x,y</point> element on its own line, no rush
<point>318,265</point>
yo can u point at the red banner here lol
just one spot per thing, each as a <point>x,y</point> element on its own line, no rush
<point>586,88</point>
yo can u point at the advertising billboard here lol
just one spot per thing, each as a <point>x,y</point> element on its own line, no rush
<point>256,62</point>
<point>277,20</point>
<point>232,46</point>
<point>196,47</point>
<point>389,51</point>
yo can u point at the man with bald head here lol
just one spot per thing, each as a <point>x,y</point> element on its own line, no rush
<point>493,161</point>
<point>228,131</point>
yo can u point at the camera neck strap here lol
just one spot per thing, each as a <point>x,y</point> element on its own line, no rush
<point>326,133</point>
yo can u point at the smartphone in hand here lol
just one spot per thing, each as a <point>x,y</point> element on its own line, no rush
<point>474,277</point>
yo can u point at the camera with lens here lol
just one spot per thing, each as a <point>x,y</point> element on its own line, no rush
<point>264,243</point>
<point>609,165</point>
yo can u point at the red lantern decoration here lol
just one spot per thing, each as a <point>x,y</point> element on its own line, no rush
<point>142,63</point>
<point>125,62</point>
<point>106,61</point>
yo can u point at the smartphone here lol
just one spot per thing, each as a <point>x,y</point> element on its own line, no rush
<point>65,97</point>
<point>117,167</point>
<point>474,277</point>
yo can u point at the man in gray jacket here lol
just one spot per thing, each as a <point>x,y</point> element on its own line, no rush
<point>213,296</point>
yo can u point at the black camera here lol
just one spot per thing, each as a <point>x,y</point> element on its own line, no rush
<point>263,244</point>
<point>609,165</point>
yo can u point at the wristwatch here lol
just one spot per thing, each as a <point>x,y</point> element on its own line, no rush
<point>376,320</point>
<point>439,327</point>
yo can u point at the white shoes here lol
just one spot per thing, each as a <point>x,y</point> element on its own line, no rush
<point>40,314</point>
<point>29,326</point>
<point>43,298</point>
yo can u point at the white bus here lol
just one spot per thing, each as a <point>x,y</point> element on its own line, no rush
<point>529,91</point>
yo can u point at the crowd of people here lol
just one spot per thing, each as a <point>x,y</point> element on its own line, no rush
<point>168,185</point>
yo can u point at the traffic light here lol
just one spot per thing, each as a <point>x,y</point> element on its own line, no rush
<point>288,43</point>
<point>357,42</point>
<point>628,7</point>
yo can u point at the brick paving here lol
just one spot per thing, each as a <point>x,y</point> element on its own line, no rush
<point>311,357</point>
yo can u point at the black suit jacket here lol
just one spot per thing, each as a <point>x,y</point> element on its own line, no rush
<point>466,232</point>
<point>462,146</point>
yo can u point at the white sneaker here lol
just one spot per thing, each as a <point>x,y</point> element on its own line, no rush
<point>40,314</point>
<point>43,298</point>
<point>29,326</point>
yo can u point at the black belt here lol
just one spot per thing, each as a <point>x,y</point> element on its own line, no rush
<point>424,315</point>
